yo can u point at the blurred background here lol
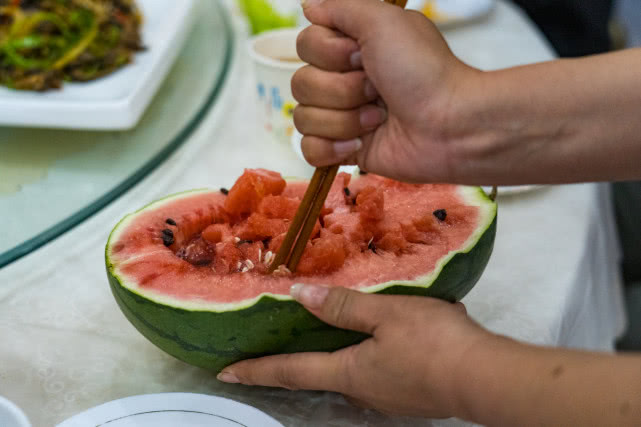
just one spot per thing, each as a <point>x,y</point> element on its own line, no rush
<point>627,196</point>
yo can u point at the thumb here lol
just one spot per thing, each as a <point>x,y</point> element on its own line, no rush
<point>354,18</point>
<point>342,307</point>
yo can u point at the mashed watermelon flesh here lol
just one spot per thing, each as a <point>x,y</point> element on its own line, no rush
<point>215,247</point>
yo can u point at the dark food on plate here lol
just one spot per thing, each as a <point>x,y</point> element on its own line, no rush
<point>46,42</point>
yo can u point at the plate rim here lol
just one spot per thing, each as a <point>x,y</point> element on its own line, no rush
<point>159,401</point>
<point>513,190</point>
<point>15,411</point>
<point>454,20</point>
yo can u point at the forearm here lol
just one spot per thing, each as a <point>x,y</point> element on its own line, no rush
<point>508,383</point>
<point>555,122</point>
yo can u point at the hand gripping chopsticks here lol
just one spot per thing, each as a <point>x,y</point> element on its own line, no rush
<point>300,230</point>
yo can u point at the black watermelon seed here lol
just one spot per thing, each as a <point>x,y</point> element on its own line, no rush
<point>242,242</point>
<point>354,201</point>
<point>346,191</point>
<point>371,246</point>
<point>224,191</point>
<point>170,221</point>
<point>203,262</point>
<point>362,172</point>
<point>167,240</point>
<point>440,214</point>
<point>167,232</point>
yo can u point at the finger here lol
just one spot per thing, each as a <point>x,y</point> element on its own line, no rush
<point>324,152</point>
<point>354,18</point>
<point>327,49</point>
<point>298,371</point>
<point>343,307</point>
<point>312,86</point>
<point>338,124</point>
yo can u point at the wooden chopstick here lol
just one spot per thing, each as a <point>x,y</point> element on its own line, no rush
<point>283,254</point>
<point>300,230</point>
<point>314,212</point>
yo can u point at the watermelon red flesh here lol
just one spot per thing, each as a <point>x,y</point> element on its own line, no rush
<point>341,255</point>
<point>209,319</point>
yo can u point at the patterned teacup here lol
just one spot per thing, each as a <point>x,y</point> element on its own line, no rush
<point>275,60</point>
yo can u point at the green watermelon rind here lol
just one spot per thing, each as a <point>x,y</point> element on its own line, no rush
<point>214,336</point>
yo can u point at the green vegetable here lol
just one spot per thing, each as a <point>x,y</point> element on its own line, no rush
<point>51,41</point>
<point>263,17</point>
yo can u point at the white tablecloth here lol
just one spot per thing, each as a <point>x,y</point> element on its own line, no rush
<point>66,346</point>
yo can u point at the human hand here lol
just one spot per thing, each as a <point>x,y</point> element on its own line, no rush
<point>382,81</point>
<point>410,365</point>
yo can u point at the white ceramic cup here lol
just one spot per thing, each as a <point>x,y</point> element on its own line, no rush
<point>275,61</point>
<point>11,415</point>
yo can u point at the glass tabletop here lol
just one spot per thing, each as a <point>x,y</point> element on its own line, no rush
<point>51,180</point>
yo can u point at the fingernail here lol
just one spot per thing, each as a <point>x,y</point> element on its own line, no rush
<point>343,149</point>
<point>310,3</point>
<point>227,377</point>
<point>370,90</point>
<point>370,117</point>
<point>355,58</point>
<point>311,296</point>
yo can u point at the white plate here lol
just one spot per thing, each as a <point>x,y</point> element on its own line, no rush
<point>118,100</point>
<point>451,12</point>
<point>510,190</point>
<point>11,415</point>
<point>171,410</point>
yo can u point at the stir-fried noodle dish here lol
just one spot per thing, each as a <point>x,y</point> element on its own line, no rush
<point>46,42</point>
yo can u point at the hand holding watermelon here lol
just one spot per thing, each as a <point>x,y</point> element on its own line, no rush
<point>408,367</point>
<point>427,358</point>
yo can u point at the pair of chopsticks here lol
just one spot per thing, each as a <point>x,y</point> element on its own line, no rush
<point>302,226</point>
<point>293,246</point>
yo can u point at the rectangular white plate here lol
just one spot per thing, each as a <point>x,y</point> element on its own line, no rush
<point>117,101</point>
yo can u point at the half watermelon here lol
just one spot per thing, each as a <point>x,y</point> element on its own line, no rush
<point>189,271</point>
